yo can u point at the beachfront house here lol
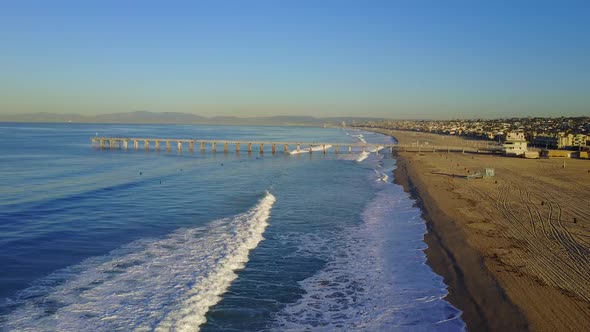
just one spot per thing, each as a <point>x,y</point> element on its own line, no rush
<point>515,144</point>
<point>561,140</point>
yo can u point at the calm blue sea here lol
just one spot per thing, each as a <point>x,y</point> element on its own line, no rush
<point>119,240</point>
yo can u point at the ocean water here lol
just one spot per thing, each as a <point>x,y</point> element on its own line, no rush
<point>119,240</point>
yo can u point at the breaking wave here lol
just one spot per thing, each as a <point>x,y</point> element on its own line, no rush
<point>163,284</point>
<point>313,148</point>
<point>381,176</point>
<point>362,156</point>
<point>360,137</point>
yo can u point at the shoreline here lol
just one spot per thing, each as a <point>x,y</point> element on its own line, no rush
<point>471,288</point>
<point>511,248</point>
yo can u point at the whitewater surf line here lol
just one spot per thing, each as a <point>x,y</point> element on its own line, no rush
<point>313,148</point>
<point>375,278</point>
<point>164,284</point>
<point>362,156</point>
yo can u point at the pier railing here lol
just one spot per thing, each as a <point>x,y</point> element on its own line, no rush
<point>203,145</point>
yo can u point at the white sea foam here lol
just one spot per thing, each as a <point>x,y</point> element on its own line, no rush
<point>362,156</point>
<point>381,176</point>
<point>375,279</point>
<point>165,284</point>
<point>313,148</point>
<point>376,149</point>
<point>361,138</point>
<point>359,157</point>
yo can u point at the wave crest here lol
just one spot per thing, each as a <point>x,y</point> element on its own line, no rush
<point>162,284</point>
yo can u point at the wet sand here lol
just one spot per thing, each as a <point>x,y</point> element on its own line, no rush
<point>515,248</point>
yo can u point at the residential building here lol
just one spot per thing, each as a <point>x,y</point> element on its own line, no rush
<point>515,144</point>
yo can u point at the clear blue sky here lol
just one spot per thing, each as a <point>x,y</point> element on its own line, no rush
<point>397,59</point>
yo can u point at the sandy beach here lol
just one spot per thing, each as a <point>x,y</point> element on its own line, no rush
<point>515,248</point>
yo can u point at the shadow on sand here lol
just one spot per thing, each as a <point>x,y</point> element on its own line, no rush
<point>450,175</point>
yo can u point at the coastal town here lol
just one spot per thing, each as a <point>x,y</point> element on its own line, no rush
<point>530,137</point>
<point>568,133</point>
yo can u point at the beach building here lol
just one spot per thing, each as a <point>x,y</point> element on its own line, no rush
<point>515,144</point>
<point>564,140</point>
<point>579,140</point>
<point>556,153</point>
<point>560,140</point>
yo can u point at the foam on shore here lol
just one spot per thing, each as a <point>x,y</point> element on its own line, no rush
<point>376,278</point>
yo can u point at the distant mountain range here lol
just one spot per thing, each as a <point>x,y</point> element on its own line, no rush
<point>146,117</point>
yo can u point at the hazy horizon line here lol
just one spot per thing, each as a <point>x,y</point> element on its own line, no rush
<point>293,115</point>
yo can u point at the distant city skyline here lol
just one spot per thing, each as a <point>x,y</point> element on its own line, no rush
<point>388,59</point>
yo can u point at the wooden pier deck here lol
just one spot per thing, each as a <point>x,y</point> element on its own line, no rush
<point>275,146</point>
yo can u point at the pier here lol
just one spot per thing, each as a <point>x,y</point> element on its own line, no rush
<point>226,146</point>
